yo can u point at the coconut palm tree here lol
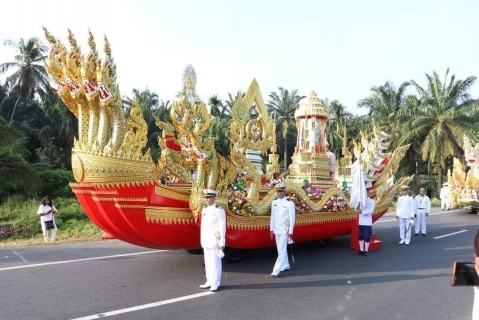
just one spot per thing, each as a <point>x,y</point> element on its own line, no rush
<point>13,168</point>
<point>283,106</point>
<point>338,117</point>
<point>228,105</point>
<point>216,107</point>
<point>446,113</point>
<point>384,105</point>
<point>30,76</point>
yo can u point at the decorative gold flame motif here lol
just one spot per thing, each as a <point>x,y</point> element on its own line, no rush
<point>464,186</point>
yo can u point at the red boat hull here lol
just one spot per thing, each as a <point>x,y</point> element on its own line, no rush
<point>159,217</point>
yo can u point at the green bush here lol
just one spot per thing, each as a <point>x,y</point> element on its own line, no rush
<point>56,183</point>
<point>435,202</point>
<point>19,219</point>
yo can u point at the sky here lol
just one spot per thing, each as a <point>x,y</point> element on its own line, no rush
<point>340,49</point>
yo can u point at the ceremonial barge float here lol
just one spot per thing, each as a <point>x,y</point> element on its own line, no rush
<point>465,186</point>
<point>157,205</point>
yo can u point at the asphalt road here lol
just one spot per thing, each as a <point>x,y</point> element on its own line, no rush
<point>326,282</point>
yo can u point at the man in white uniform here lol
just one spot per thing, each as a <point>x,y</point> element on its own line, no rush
<point>213,237</point>
<point>331,160</point>
<point>444,195</point>
<point>283,214</point>
<point>405,215</point>
<point>423,208</point>
<point>365,225</point>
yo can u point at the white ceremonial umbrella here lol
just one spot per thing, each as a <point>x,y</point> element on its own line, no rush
<point>358,189</point>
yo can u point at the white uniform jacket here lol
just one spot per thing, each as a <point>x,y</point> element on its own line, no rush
<point>283,214</point>
<point>213,223</point>
<point>405,208</point>
<point>445,192</point>
<point>366,218</point>
<point>422,202</point>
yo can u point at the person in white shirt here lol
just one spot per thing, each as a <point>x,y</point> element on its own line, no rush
<point>331,160</point>
<point>283,214</point>
<point>365,225</point>
<point>213,239</point>
<point>423,208</point>
<point>444,195</point>
<point>47,212</point>
<point>405,215</point>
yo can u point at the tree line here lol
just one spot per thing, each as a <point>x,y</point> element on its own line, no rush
<point>37,130</point>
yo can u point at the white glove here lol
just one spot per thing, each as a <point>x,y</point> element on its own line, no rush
<point>221,254</point>
<point>290,241</point>
<point>411,221</point>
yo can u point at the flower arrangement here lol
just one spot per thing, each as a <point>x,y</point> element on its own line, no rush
<point>335,204</point>
<point>238,202</point>
<point>301,205</point>
<point>346,191</point>
<point>311,190</point>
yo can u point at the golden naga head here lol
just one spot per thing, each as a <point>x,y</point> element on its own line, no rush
<point>106,77</point>
<point>71,67</point>
<point>54,63</point>
<point>88,69</point>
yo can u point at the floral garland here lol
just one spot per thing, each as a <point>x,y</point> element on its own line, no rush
<point>300,205</point>
<point>238,201</point>
<point>336,204</point>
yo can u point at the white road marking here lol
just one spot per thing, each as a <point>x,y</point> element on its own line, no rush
<point>79,260</point>
<point>20,256</point>
<point>450,234</point>
<point>431,214</point>
<point>144,306</point>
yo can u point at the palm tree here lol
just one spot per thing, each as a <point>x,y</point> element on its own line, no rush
<point>147,100</point>
<point>385,103</point>
<point>13,168</point>
<point>283,105</point>
<point>446,113</point>
<point>228,105</point>
<point>337,120</point>
<point>30,76</point>
<point>216,107</point>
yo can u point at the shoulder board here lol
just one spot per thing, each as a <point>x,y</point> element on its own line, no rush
<point>216,205</point>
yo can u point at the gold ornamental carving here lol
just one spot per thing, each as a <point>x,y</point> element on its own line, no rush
<point>169,216</point>
<point>77,168</point>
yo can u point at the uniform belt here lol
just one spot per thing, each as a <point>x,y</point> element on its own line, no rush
<point>421,208</point>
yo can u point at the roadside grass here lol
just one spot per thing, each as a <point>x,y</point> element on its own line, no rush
<point>20,224</point>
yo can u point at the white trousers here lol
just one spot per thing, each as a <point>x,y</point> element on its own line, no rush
<point>45,231</point>
<point>282,262</point>
<point>421,221</point>
<point>403,226</point>
<point>213,267</point>
<point>445,203</point>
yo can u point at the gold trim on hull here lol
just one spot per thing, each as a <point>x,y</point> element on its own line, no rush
<point>171,193</point>
<point>169,216</point>
<point>96,199</point>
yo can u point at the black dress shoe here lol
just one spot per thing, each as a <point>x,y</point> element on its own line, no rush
<point>416,234</point>
<point>366,253</point>
<point>423,234</point>
<point>361,252</point>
